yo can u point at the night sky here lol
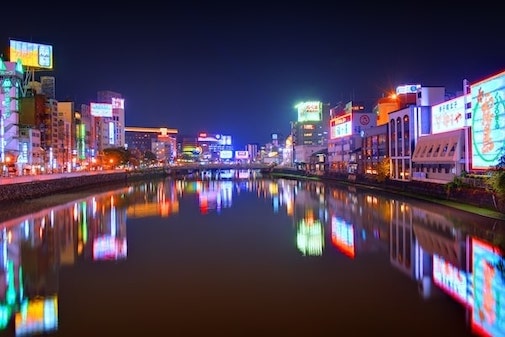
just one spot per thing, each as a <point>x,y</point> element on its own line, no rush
<point>238,69</point>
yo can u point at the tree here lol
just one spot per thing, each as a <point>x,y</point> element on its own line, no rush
<point>496,179</point>
<point>149,157</point>
<point>383,169</point>
<point>116,156</point>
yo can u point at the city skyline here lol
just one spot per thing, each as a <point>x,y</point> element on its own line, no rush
<point>241,70</point>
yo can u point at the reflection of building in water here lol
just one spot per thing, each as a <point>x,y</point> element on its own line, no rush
<point>488,312</point>
<point>357,221</point>
<point>342,236</point>
<point>309,216</point>
<point>39,255</point>
<point>107,230</point>
<point>437,235</point>
<point>11,273</point>
<point>214,195</point>
<point>405,252</point>
<point>401,252</point>
<point>453,281</point>
<point>417,235</point>
<point>29,268</point>
<point>33,247</point>
<point>310,235</point>
<point>153,199</point>
<point>37,316</point>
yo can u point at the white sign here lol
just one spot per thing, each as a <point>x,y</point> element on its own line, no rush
<point>241,154</point>
<point>407,89</point>
<point>101,109</point>
<point>449,115</point>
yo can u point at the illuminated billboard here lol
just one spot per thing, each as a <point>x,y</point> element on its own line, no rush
<point>488,314</point>
<point>101,109</point>
<point>342,236</point>
<point>241,154</point>
<point>488,121</point>
<point>205,137</point>
<point>226,154</point>
<point>310,111</point>
<point>112,135</point>
<point>407,89</point>
<point>31,54</point>
<point>117,103</point>
<point>449,115</point>
<point>454,281</point>
<point>341,126</point>
<point>191,149</point>
<point>80,136</point>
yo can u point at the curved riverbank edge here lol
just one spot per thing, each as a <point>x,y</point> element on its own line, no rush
<point>476,201</point>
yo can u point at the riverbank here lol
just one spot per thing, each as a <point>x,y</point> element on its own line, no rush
<point>473,200</point>
<point>24,196</point>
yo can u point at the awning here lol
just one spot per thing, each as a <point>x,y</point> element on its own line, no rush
<point>439,148</point>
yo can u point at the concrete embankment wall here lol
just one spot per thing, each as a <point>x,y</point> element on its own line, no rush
<point>418,189</point>
<point>12,191</point>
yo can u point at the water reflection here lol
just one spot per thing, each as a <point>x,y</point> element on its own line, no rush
<point>33,249</point>
<point>430,245</point>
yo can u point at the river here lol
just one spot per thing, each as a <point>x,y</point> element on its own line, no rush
<point>250,256</point>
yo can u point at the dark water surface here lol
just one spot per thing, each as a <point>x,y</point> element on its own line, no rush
<point>253,257</point>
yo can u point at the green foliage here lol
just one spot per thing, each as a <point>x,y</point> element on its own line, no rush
<point>456,183</point>
<point>496,181</point>
<point>116,156</point>
<point>150,157</point>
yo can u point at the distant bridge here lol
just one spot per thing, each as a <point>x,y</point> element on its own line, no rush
<point>184,167</point>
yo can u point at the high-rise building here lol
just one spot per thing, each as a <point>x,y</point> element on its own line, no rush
<point>67,135</point>
<point>89,145</point>
<point>11,77</point>
<point>253,150</point>
<point>111,130</point>
<point>48,86</point>
<point>160,141</point>
<point>348,124</point>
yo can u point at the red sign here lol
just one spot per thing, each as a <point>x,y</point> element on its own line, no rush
<point>364,120</point>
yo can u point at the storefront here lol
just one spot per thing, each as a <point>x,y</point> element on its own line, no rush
<point>439,157</point>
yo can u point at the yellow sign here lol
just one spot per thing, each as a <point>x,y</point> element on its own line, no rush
<point>31,54</point>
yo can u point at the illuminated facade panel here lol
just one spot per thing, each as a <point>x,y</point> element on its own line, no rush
<point>310,112</point>
<point>488,121</point>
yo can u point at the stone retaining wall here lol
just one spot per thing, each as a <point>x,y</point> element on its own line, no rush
<point>40,188</point>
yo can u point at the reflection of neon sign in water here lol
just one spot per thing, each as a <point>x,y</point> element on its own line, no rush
<point>488,117</point>
<point>342,236</point>
<point>488,316</point>
<point>109,248</point>
<point>37,316</point>
<point>310,237</point>
<point>452,280</point>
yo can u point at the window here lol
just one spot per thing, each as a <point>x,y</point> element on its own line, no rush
<point>435,154</point>
<point>430,151</point>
